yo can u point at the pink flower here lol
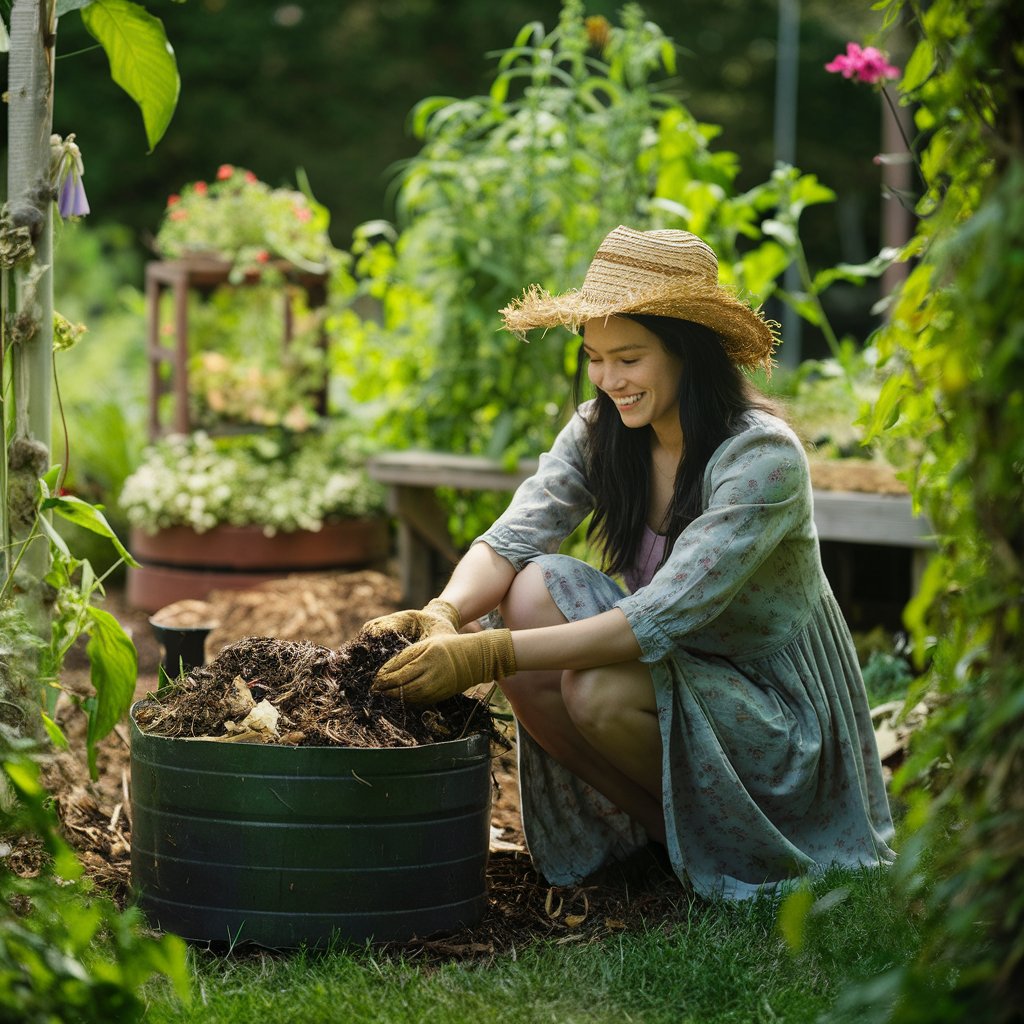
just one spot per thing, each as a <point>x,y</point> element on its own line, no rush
<point>262,256</point>
<point>867,64</point>
<point>179,215</point>
<point>251,178</point>
<point>224,172</point>
<point>200,188</point>
<point>302,213</point>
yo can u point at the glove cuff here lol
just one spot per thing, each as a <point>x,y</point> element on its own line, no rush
<point>498,644</point>
<point>444,610</point>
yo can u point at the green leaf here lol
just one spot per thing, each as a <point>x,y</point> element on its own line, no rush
<point>856,273</point>
<point>67,6</point>
<point>114,664</point>
<point>58,541</point>
<point>81,513</point>
<point>780,230</point>
<point>792,919</point>
<point>53,730</point>
<point>803,304</point>
<point>919,67</point>
<point>141,59</point>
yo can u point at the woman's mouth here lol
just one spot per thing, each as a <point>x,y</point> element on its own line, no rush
<point>628,401</point>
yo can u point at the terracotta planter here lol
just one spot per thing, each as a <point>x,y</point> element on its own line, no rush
<point>348,542</point>
<point>178,563</point>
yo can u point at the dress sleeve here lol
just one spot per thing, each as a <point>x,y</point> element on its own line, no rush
<point>757,492</point>
<point>548,506</point>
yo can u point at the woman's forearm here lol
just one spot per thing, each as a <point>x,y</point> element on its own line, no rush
<point>604,639</point>
<point>479,582</point>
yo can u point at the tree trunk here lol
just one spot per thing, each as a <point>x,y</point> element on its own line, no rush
<point>28,344</point>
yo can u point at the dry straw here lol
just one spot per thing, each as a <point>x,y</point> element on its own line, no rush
<point>665,273</point>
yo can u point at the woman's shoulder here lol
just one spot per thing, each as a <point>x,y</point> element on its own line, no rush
<point>763,440</point>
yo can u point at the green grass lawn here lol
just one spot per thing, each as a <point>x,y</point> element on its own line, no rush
<point>715,963</point>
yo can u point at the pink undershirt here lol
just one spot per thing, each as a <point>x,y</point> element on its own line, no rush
<point>648,558</point>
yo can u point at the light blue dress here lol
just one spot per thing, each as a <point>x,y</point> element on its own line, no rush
<point>770,766</point>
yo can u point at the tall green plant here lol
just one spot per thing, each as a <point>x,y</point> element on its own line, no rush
<point>953,350</point>
<point>42,169</point>
<point>580,131</point>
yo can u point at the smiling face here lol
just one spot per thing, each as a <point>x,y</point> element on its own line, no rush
<point>634,369</point>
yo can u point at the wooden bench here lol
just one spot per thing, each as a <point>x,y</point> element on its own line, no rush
<point>426,552</point>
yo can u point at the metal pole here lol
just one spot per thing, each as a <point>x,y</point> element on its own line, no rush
<point>786,75</point>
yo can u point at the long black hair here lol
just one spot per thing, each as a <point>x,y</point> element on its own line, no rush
<point>714,395</point>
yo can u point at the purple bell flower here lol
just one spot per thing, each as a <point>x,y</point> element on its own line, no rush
<point>72,201</point>
<point>66,171</point>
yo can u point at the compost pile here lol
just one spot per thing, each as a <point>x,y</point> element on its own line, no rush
<point>264,690</point>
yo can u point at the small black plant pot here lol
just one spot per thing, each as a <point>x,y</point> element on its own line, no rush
<point>184,647</point>
<point>287,846</point>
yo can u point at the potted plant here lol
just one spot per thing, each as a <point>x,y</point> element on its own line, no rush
<point>232,510</point>
<point>259,477</point>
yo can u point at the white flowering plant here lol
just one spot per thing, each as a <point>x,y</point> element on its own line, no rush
<point>279,481</point>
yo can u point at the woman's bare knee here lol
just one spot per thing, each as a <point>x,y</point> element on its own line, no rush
<point>528,604</point>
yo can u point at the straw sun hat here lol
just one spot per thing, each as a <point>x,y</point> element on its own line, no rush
<point>666,273</point>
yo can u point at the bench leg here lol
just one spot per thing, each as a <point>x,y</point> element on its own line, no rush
<point>425,549</point>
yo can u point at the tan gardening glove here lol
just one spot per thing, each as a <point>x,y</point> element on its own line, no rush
<point>436,617</point>
<point>446,664</point>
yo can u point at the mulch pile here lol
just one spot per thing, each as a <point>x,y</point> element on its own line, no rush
<point>314,696</point>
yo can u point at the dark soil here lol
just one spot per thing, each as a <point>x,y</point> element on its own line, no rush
<point>323,697</point>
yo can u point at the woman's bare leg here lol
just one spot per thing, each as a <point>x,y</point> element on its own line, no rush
<point>601,724</point>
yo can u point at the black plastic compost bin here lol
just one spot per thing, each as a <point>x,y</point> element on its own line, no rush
<point>284,846</point>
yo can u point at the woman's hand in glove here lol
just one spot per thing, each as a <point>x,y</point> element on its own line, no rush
<point>446,664</point>
<point>435,618</point>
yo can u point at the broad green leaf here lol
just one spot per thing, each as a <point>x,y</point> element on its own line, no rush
<point>761,266</point>
<point>81,513</point>
<point>141,59</point>
<point>114,664</point>
<point>919,67</point>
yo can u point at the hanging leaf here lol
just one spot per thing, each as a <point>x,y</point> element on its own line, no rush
<point>115,669</point>
<point>81,513</point>
<point>141,59</point>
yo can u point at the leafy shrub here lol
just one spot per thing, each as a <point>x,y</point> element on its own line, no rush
<point>65,953</point>
<point>578,133</point>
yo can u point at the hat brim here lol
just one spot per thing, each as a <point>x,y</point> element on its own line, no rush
<point>747,337</point>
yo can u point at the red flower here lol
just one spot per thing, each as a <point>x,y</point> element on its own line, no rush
<point>179,215</point>
<point>262,256</point>
<point>173,199</point>
<point>251,178</point>
<point>225,171</point>
<point>200,188</point>
<point>302,213</point>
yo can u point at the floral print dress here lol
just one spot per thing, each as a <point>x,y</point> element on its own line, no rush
<point>770,768</point>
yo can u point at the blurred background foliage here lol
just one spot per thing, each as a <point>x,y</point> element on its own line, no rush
<point>329,87</point>
<point>356,102</point>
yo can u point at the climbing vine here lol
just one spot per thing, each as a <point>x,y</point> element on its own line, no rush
<point>953,351</point>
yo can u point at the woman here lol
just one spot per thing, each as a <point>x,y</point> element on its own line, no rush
<point>715,705</point>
